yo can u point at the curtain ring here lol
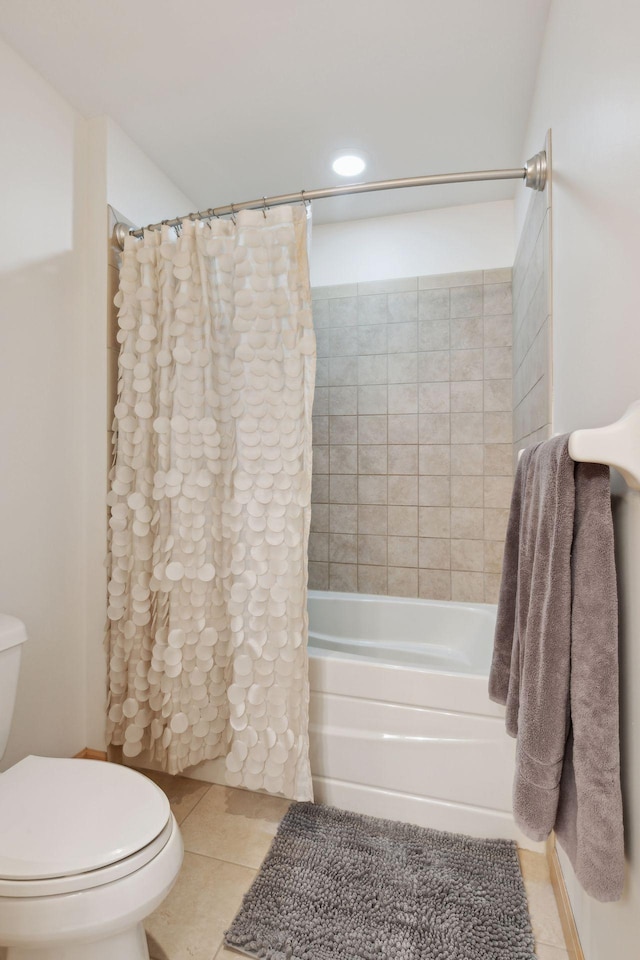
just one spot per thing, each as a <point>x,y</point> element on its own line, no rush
<point>307,203</point>
<point>233,215</point>
<point>264,207</point>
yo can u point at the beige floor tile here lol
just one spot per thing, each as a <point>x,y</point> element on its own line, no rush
<point>190,924</point>
<point>546,952</point>
<point>534,866</point>
<point>543,909</point>
<point>183,793</point>
<point>233,825</point>
<point>225,954</point>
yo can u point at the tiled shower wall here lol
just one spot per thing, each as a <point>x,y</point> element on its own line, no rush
<point>532,351</point>
<point>412,469</point>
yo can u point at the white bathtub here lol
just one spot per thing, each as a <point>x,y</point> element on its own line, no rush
<point>401,723</point>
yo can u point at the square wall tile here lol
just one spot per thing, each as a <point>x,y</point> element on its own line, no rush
<point>402,337</point>
<point>372,458</point>
<point>403,520</point>
<point>343,547</point>
<point>467,523</point>
<point>321,459</point>
<point>497,491</point>
<point>497,298</point>
<point>466,396</point>
<point>343,458</point>
<point>498,395</point>
<point>467,555</point>
<point>372,579</point>
<point>467,459</point>
<point>403,582</point>
<point>402,368</point>
<point>493,552</point>
<point>372,369</point>
<point>498,459</point>
<point>403,551</point>
<point>322,371</point>
<point>466,427</point>
<point>403,490</point>
<point>498,427</point>
<point>435,492</point>
<point>466,365</point>
<point>434,553</point>
<point>434,397</point>
<point>372,489</point>
<point>319,488</point>
<point>372,338</point>
<point>343,341</point>
<point>372,549</point>
<point>434,522</point>
<point>403,459</point>
<point>434,459</point>
<point>466,301</point>
<point>434,366</point>
<point>320,430</point>
<point>467,491</point>
<point>402,307</point>
<point>433,304</point>
<point>372,428</point>
<point>403,428</point>
<point>467,333</point>
<point>318,546</point>
<point>343,371</point>
<point>318,576</point>
<point>343,401</point>
<point>343,489</point>
<point>497,363</point>
<point>320,518</point>
<point>372,399</point>
<point>343,311</point>
<point>434,584</point>
<point>495,524</point>
<point>373,309</point>
<point>434,428</point>
<point>343,577</point>
<point>343,518</point>
<point>467,587</point>
<point>343,429</point>
<point>403,398</point>
<point>433,335</point>
<point>372,519</point>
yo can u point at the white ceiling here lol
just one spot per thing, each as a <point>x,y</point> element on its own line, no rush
<point>240,99</point>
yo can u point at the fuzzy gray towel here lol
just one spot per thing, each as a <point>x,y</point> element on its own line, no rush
<point>555,661</point>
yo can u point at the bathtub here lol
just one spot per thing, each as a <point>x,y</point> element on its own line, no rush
<point>401,725</point>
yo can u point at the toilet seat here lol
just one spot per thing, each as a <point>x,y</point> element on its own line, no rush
<point>67,825</point>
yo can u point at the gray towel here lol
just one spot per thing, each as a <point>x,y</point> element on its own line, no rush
<point>555,661</point>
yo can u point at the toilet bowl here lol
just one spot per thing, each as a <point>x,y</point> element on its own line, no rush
<point>87,850</point>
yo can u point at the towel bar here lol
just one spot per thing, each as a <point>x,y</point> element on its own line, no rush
<point>617,445</point>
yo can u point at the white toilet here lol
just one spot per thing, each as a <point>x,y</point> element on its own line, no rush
<point>87,849</point>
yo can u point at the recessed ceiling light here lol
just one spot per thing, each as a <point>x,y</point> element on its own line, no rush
<point>348,165</point>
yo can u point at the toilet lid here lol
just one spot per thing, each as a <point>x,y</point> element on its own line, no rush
<point>60,817</point>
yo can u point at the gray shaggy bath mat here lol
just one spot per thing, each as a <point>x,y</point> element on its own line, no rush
<point>342,886</point>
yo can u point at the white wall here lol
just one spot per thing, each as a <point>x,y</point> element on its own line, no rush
<point>121,175</point>
<point>476,236</point>
<point>41,243</point>
<point>588,92</point>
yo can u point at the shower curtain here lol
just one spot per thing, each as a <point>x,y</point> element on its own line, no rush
<point>210,500</point>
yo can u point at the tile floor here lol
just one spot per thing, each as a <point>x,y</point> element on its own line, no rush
<point>226,835</point>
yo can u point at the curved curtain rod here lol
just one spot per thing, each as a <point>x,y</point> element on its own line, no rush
<point>534,175</point>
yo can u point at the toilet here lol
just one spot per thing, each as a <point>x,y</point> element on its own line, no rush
<point>87,849</point>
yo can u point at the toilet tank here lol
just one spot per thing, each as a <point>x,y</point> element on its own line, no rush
<point>12,635</point>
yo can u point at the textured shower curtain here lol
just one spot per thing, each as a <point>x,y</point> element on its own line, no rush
<point>210,500</point>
